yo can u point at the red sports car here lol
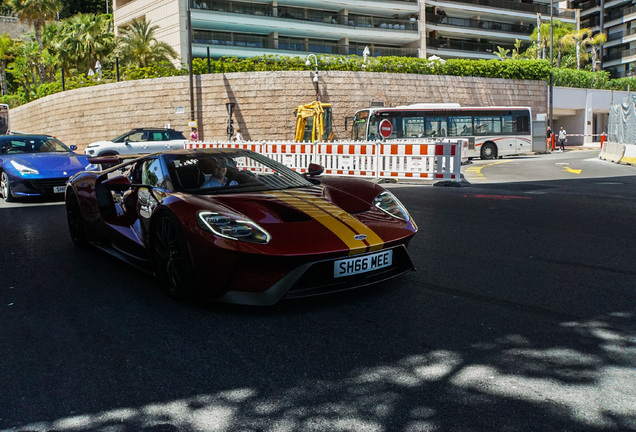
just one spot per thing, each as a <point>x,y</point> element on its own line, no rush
<point>239,227</point>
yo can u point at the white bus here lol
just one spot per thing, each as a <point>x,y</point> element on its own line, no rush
<point>491,131</point>
<point>4,119</point>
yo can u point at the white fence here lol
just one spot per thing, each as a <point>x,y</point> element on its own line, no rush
<point>405,159</point>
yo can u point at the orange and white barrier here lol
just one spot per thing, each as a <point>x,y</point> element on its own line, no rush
<point>403,159</point>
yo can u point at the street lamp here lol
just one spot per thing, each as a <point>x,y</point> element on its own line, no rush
<point>315,79</point>
<point>308,63</point>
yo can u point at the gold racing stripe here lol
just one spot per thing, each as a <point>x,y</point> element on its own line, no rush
<point>335,219</point>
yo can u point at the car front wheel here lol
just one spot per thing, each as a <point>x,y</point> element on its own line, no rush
<point>5,185</point>
<point>171,258</point>
<point>75,220</point>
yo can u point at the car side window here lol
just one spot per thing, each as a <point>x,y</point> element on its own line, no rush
<point>136,136</point>
<point>152,174</point>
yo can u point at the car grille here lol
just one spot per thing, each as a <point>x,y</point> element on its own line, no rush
<point>318,278</point>
<point>45,185</point>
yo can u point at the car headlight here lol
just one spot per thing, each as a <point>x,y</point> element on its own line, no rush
<point>22,169</point>
<point>388,203</point>
<point>233,228</point>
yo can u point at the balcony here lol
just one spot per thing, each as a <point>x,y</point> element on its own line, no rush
<point>369,7</point>
<point>264,19</point>
<point>619,13</point>
<point>479,24</point>
<point>464,45</point>
<point>247,45</point>
<point>619,55</point>
<point>532,8</point>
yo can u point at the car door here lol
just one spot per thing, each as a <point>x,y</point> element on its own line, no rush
<point>133,205</point>
<point>158,141</point>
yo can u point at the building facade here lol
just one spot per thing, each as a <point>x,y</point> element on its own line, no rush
<point>617,20</point>
<point>412,28</point>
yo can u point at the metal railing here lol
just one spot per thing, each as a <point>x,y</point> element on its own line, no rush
<point>249,41</point>
<point>464,45</point>
<point>522,7</point>
<point>479,24</point>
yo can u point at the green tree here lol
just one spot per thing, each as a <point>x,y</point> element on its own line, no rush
<point>139,47</point>
<point>582,39</point>
<point>82,40</point>
<point>37,13</point>
<point>97,7</point>
<point>24,68</point>
<point>6,56</point>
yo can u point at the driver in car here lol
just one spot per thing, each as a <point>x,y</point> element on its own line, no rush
<point>217,170</point>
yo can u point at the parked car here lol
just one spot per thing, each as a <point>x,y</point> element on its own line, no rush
<point>36,166</point>
<point>138,141</point>
<point>236,226</point>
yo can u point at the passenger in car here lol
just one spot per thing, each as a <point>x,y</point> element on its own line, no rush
<point>216,170</point>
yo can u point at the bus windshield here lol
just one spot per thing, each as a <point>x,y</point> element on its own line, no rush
<point>4,119</point>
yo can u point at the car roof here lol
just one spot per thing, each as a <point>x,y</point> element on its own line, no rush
<point>24,136</point>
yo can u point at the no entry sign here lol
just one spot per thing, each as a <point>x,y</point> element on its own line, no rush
<point>386,128</point>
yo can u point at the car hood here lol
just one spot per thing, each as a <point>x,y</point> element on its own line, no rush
<point>53,164</point>
<point>306,221</point>
<point>100,143</point>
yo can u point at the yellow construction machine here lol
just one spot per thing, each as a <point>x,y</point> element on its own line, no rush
<point>313,122</point>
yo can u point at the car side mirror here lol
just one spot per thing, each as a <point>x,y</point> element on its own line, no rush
<point>73,147</point>
<point>314,169</point>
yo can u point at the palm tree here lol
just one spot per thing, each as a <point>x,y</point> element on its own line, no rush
<point>82,40</point>
<point>36,13</point>
<point>582,38</point>
<point>596,42</point>
<point>139,47</point>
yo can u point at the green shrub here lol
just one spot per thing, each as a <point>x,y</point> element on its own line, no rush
<point>522,69</point>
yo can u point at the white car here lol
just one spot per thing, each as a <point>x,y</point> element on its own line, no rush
<point>140,140</point>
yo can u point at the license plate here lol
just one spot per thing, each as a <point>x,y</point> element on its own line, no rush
<point>362,264</point>
<point>59,189</point>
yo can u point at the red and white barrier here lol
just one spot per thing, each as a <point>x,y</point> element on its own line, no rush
<point>404,159</point>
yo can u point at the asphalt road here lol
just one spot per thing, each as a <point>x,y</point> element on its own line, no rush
<point>520,317</point>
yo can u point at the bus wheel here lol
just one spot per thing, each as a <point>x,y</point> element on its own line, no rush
<point>488,151</point>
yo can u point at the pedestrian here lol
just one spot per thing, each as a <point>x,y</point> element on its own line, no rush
<point>549,135</point>
<point>563,138</point>
<point>194,136</point>
<point>238,136</point>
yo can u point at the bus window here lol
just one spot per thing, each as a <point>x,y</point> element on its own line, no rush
<point>460,126</point>
<point>487,125</point>
<point>436,126</point>
<point>412,127</point>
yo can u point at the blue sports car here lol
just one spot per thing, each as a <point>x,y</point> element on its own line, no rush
<point>36,166</point>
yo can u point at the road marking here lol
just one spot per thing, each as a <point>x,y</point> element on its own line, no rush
<point>476,170</point>
<point>571,170</point>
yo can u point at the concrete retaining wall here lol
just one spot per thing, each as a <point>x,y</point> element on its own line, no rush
<point>265,102</point>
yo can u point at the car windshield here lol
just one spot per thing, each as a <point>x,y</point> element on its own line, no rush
<point>24,144</point>
<point>229,172</point>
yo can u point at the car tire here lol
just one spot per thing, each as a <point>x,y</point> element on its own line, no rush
<point>75,220</point>
<point>171,257</point>
<point>5,185</point>
<point>489,151</point>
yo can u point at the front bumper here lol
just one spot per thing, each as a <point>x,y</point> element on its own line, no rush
<point>317,278</point>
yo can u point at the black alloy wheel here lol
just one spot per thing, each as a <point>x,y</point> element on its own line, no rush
<point>6,187</point>
<point>74,219</point>
<point>488,151</point>
<point>171,257</point>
